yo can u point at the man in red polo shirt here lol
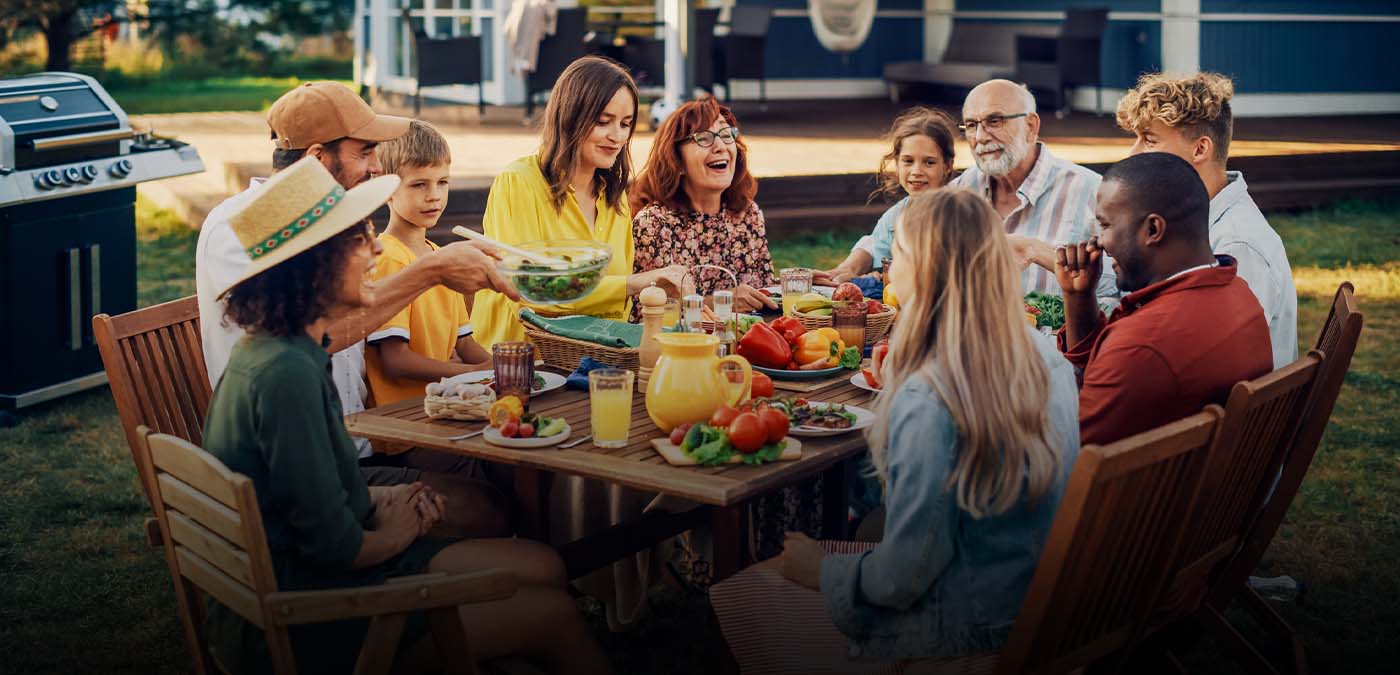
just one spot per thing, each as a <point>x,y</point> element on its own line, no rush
<point>1188,328</point>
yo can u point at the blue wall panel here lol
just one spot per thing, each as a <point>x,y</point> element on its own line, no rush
<point>1302,6</point>
<point>794,52</point>
<point>1303,57</point>
<point>1055,5</point>
<point>1129,48</point>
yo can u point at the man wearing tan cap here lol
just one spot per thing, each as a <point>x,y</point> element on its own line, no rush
<point>328,121</point>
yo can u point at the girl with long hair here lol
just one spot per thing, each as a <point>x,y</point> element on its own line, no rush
<point>977,430</point>
<point>921,144</point>
<point>574,187</point>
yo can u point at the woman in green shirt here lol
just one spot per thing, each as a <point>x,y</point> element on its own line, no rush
<point>276,418</point>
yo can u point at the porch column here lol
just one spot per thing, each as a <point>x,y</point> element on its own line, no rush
<point>1181,36</point>
<point>676,17</point>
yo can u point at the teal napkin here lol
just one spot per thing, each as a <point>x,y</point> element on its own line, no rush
<point>605,332</point>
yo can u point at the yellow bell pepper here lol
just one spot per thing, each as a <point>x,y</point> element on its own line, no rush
<point>822,343</point>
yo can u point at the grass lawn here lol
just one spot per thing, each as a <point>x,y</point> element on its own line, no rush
<point>82,592</point>
<point>213,94</point>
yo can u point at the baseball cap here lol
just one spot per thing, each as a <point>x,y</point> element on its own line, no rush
<point>321,112</point>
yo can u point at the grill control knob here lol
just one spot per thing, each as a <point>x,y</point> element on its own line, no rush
<point>89,173</point>
<point>41,181</point>
<point>54,177</point>
<point>72,175</point>
<point>120,168</point>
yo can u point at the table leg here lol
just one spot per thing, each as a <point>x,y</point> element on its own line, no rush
<point>730,540</point>
<point>834,507</point>
<point>532,494</point>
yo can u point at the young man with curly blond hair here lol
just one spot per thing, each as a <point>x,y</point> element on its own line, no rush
<point>1190,117</point>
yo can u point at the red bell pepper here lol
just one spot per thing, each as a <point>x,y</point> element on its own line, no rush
<point>791,329</point>
<point>763,346</point>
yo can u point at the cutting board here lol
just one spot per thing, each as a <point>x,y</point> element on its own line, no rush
<point>674,456</point>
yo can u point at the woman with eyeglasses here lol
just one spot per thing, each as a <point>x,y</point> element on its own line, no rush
<point>921,150</point>
<point>574,187</point>
<point>694,205</point>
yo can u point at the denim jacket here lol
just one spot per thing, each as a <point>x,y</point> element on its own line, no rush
<point>943,583</point>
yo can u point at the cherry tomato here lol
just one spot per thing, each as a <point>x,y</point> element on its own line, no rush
<point>526,431</point>
<point>746,433</point>
<point>762,386</point>
<point>509,429</point>
<point>775,422</point>
<point>678,435</point>
<point>723,417</point>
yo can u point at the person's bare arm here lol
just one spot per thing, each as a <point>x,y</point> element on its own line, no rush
<point>857,263</point>
<point>472,353</point>
<point>401,362</point>
<point>465,267</point>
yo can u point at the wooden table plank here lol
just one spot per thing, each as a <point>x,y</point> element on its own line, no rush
<point>635,466</point>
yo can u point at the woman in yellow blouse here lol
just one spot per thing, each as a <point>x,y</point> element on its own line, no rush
<point>574,188</point>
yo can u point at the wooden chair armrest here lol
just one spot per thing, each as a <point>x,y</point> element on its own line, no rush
<point>301,607</point>
<point>414,578</point>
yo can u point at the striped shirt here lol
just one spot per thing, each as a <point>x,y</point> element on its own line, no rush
<point>1057,206</point>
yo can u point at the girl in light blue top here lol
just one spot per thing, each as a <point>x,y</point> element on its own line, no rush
<point>921,150</point>
<point>977,431</point>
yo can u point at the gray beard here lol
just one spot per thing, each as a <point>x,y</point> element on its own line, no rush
<point>1012,153</point>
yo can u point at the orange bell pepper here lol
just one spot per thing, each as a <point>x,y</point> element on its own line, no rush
<point>822,343</point>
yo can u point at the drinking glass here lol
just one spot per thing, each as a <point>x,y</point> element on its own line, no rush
<point>795,282</point>
<point>514,366</point>
<point>848,318</point>
<point>610,406</point>
<point>672,315</point>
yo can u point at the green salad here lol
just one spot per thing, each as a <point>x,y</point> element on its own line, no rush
<point>1049,310</point>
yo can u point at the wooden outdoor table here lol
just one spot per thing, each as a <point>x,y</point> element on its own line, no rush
<point>726,490</point>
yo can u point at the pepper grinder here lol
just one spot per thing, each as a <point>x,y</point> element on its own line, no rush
<point>653,301</point>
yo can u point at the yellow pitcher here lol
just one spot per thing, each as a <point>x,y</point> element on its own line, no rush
<point>688,383</point>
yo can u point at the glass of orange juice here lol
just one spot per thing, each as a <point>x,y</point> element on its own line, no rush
<point>672,315</point>
<point>610,406</point>
<point>795,282</point>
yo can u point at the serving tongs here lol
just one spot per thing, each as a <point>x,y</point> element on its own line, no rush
<point>514,250</point>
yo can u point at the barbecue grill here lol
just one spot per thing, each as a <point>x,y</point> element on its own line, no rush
<point>69,165</point>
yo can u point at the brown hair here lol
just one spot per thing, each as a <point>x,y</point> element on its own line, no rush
<point>662,180</point>
<point>963,330</point>
<point>579,97</point>
<point>1197,105</point>
<point>918,121</point>
<point>421,146</point>
<point>282,300</point>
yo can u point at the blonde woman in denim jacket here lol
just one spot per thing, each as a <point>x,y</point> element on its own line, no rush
<point>978,431</point>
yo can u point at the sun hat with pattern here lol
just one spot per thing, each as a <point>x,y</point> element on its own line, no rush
<point>298,208</point>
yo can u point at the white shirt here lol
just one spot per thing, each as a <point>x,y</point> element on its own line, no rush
<point>1238,229</point>
<point>219,260</point>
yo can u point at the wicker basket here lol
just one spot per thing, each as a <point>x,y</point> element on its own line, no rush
<point>877,326</point>
<point>564,353</point>
<point>452,408</point>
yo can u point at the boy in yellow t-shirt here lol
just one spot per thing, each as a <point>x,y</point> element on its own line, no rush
<point>417,345</point>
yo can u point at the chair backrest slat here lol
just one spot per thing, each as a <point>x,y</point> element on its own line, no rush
<point>1261,419</point>
<point>227,590</point>
<point>200,471</point>
<point>1337,343</point>
<point>1106,559</point>
<point>155,363</point>
<point>230,559</point>
<point>199,507</point>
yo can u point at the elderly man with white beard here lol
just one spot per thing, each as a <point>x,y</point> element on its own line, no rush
<point>1044,201</point>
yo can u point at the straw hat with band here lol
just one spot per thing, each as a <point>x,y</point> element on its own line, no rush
<point>298,208</point>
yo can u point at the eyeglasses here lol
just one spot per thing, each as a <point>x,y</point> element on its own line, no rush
<point>990,123</point>
<point>707,138</point>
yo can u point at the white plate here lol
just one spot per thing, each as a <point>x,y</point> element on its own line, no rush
<point>864,418</point>
<point>859,380</point>
<point>494,437</point>
<point>552,381</point>
<point>824,290</point>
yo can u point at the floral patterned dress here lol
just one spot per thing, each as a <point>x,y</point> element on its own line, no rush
<point>735,241</point>
<point>739,243</point>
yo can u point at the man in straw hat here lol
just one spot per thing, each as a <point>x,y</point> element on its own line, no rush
<point>275,418</point>
<point>327,121</point>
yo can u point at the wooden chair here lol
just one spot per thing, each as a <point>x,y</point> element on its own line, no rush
<point>215,543</point>
<point>1262,417</point>
<point>1106,559</point>
<point>154,359</point>
<point>1337,342</point>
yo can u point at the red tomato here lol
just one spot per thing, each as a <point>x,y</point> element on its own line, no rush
<point>873,307</point>
<point>678,434</point>
<point>762,386</point>
<point>723,417</point>
<point>847,292</point>
<point>746,433</point>
<point>509,429</point>
<point>526,431</point>
<point>775,423</point>
<point>870,378</point>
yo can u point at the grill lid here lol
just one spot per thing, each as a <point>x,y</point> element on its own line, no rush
<point>43,113</point>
